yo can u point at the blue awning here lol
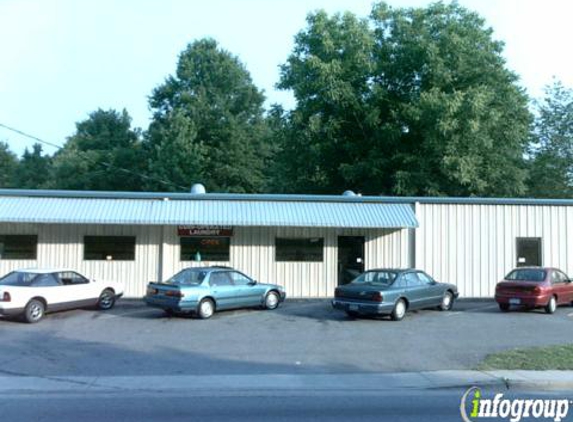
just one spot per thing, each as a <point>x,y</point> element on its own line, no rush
<point>217,209</point>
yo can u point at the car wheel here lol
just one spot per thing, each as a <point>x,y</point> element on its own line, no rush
<point>106,300</point>
<point>271,300</point>
<point>399,310</point>
<point>504,307</point>
<point>34,311</point>
<point>206,309</point>
<point>551,305</point>
<point>447,301</point>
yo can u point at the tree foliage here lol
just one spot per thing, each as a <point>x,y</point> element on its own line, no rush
<point>208,124</point>
<point>410,101</point>
<point>33,169</point>
<point>551,167</point>
<point>8,164</point>
<point>104,154</point>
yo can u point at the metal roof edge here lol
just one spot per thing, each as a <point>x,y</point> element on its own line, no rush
<point>161,196</point>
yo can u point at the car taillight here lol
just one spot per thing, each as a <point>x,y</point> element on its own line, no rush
<point>151,291</point>
<point>377,297</point>
<point>6,297</point>
<point>337,293</point>
<point>174,293</point>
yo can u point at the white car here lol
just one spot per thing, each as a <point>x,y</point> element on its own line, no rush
<point>33,292</point>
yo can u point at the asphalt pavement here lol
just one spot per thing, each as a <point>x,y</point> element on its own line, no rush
<point>300,337</point>
<point>224,405</point>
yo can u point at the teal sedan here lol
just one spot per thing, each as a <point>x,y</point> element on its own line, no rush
<point>393,292</point>
<point>204,290</point>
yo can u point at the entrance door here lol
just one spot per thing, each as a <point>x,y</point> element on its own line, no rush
<point>350,258</point>
<point>528,251</point>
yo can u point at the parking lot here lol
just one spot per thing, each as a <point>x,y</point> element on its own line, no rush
<point>301,336</point>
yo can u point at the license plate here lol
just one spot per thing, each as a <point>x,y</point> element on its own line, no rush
<point>515,301</point>
<point>353,307</point>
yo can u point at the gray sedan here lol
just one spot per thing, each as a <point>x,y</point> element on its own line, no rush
<point>393,292</point>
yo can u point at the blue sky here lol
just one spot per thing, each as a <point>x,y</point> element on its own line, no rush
<point>62,59</point>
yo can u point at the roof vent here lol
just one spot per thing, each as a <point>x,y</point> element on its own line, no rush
<point>348,193</point>
<point>198,189</point>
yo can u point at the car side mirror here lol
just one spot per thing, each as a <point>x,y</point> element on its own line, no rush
<point>252,282</point>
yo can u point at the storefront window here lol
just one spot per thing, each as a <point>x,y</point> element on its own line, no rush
<point>205,248</point>
<point>109,248</point>
<point>302,250</point>
<point>18,246</point>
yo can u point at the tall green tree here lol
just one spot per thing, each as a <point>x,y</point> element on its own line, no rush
<point>104,154</point>
<point>413,101</point>
<point>208,124</point>
<point>551,166</point>
<point>8,164</point>
<point>33,170</point>
<point>328,134</point>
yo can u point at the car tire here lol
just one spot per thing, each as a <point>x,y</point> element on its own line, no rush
<point>504,307</point>
<point>206,309</point>
<point>399,310</point>
<point>447,301</point>
<point>551,305</point>
<point>34,311</point>
<point>106,300</point>
<point>272,300</point>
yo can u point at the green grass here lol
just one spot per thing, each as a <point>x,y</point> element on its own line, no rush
<point>535,358</point>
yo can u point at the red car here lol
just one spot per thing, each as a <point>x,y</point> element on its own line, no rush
<point>534,287</point>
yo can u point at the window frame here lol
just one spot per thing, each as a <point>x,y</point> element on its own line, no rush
<point>299,253</point>
<point>539,241</point>
<point>204,253</point>
<point>34,250</point>
<point>106,252</point>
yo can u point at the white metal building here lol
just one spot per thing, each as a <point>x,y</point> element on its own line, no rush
<point>309,244</point>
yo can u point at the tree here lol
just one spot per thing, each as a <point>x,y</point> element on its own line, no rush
<point>329,133</point>
<point>104,154</point>
<point>551,165</point>
<point>33,169</point>
<point>411,102</point>
<point>208,124</point>
<point>8,163</point>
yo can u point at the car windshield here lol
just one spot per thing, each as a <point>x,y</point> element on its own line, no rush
<point>192,277</point>
<point>527,275</point>
<point>17,278</point>
<point>385,278</point>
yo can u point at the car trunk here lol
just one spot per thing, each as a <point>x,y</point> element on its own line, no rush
<point>359,292</point>
<point>520,287</point>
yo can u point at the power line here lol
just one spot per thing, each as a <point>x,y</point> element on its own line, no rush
<point>107,165</point>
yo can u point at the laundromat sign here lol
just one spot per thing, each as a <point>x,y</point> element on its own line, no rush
<point>214,231</point>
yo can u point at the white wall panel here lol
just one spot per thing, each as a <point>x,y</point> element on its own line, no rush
<point>61,245</point>
<point>474,246</point>
<point>253,252</point>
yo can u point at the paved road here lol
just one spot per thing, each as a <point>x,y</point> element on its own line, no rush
<point>401,406</point>
<point>301,337</point>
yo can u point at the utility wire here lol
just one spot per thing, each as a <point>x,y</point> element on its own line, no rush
<point>107,165</point>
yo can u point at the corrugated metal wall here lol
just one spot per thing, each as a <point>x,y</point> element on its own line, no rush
<point>62,246</point>
<point>474,246</point>
<point>252,251</point>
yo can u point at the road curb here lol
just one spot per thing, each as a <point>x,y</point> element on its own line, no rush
<point>502,380</point>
